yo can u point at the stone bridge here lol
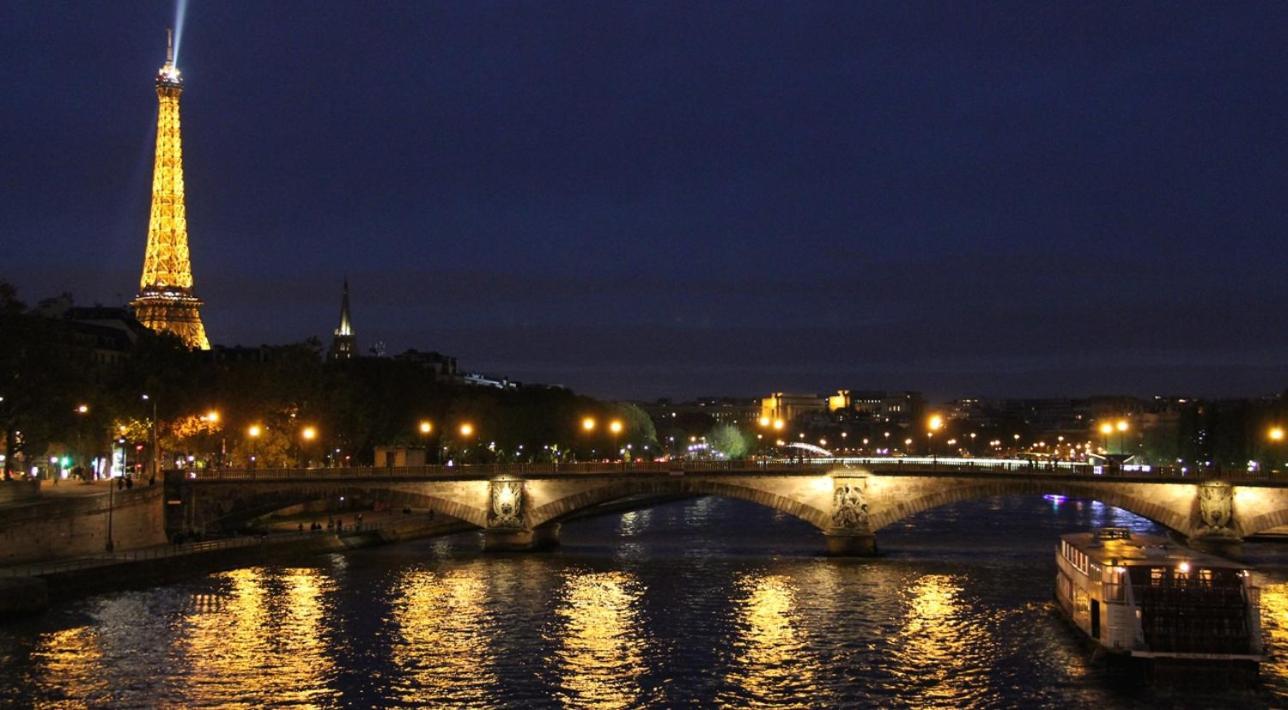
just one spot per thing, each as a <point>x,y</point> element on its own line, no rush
<point>520,507</point>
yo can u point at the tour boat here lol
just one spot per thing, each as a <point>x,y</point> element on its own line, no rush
<point>1144,598</point>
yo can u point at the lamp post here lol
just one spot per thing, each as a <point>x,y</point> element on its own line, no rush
<point>156,454</point>
<point>81,411</point>
<point>1106,429</point>
<point>212,419</point>
<point>1122,426</point>
<point>307,435</point>
<point>588,427</point>
<point>1276,437</point>
<point>426,428</point>
<point>616,428</point>
<point>466,430</point>
<point>253,431</point>
<point>111,500</point>
<point>933,424</point>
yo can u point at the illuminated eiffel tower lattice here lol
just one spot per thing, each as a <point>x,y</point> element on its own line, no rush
<point>166,302</point>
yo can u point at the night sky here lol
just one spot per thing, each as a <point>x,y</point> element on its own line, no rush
<point>653,199</point>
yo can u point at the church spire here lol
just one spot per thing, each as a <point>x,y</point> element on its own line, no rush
<point>344,345</point>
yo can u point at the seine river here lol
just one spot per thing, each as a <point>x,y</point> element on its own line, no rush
<point>698,603</point>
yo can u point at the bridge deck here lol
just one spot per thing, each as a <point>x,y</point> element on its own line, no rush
<point>1061,471</point>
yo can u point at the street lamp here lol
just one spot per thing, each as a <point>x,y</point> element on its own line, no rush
<point>616,427</point>
<point>1276,436</point>
<point>156,453</point>
<point>465,430</point>
<point>211,417</point>
<point>253,431</point>
<point>82,410</point>
<point>426,428</point>
<point>1107,430</point>
<point>588,424</point>
<point>308,434</point>
<point>933,424</point>
<point>1121,425</point>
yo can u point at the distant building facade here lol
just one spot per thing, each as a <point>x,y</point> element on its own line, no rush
<point>788,407</point>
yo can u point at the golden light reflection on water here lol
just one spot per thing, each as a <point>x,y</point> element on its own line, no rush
<point>71,658</point>
<point>443,651</point>
<point>771,663</point>
<point>634,522</point>
<point>270,623</point>
<point>1274,625</point>
<point>943,646</point>
<point>603,643</point>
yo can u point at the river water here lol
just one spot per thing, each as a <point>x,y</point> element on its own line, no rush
<point>700,602</point>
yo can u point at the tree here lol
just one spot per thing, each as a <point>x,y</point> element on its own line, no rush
<point>43,372</point>
<point>728,440</point>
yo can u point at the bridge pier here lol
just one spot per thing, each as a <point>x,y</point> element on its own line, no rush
<point>542,537</point>
<point>850,544</point>
<point>1215,530</point>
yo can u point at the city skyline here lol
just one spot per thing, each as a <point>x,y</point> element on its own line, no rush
<point>483,206</point>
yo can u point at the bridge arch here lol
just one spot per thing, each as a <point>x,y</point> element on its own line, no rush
<point>561,508</point>
<point>234,507</point>
<point>1259,523</point>
<point>957,491</point>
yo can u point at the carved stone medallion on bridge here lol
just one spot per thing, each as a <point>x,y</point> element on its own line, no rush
<point>1216,506</point>
<point>505,508</point>
<point>849,507</point>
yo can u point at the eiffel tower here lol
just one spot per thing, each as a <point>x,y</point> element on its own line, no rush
<point>166,302</point>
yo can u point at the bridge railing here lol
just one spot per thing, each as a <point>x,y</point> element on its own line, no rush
<point>891,465</point>
<point>512,469</point>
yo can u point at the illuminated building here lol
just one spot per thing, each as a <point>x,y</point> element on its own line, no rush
<point>344,344</point>
<point>840,400</point>
<point>788,407</point>
<point>166,302</point>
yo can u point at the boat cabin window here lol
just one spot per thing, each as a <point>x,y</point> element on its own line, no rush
<point>1173,577</point>
<point>1076,557</point>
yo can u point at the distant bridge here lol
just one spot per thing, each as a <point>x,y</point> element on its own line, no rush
<point>520,506</point>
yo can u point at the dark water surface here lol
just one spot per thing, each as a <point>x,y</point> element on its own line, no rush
<point>702,602</point>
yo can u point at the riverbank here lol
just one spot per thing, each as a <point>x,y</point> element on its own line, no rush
<point>30,588</point>
<point>26,589</point>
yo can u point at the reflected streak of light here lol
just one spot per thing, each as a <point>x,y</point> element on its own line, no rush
<point>603,642</point>
<point>273,624</point>
<point>443,649</point>
<point>1274,624</point>
<point>772,664</point>
<point>943,648</point>
<point>634,522</point>
<point>72,658</point>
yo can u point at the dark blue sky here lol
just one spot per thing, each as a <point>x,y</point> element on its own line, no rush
<point>651,199</point>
